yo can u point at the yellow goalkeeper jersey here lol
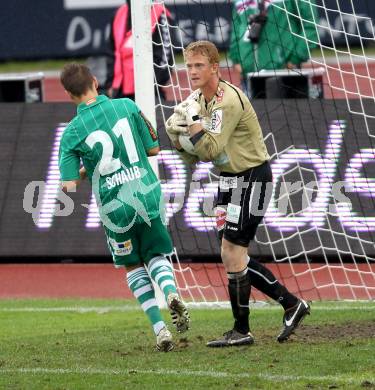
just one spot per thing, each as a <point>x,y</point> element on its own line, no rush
<point>232,138</point>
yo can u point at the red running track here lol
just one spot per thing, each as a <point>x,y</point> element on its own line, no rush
<point>104,281</point>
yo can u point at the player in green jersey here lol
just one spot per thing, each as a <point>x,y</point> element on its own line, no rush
<point>112,140</point>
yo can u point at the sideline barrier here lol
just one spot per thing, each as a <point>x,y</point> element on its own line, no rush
<point>304,133</point>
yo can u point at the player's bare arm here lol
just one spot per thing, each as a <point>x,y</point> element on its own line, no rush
<point>83,173</point>
<point>71,185</point>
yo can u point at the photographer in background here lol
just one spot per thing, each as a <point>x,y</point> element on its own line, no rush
<point>270,34</point>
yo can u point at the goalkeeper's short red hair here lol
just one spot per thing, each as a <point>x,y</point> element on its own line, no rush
<point>205,48</point>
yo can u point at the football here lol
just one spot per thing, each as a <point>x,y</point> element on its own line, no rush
<point>186,144</point>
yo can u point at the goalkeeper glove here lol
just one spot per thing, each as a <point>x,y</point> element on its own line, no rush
<point>190,110</point>
<point>176,124</point>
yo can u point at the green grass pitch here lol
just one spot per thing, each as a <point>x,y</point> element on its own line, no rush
<point>95,344</point>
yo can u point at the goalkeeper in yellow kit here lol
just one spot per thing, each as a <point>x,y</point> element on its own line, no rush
<point>223,128</point>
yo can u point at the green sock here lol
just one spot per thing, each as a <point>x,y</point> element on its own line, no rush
<point>141,286</point>
<point>161,272</point>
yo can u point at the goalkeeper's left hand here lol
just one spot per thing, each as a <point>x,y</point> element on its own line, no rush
<point>175,126</point>
<point>190,110</point>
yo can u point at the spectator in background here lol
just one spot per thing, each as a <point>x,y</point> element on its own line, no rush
<point>120,69</point>
<point>269,34</point>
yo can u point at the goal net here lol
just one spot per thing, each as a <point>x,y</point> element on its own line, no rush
<point>318,232</point>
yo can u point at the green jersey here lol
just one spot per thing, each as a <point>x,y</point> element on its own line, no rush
<point>111,139</point>
<point>288,34</point>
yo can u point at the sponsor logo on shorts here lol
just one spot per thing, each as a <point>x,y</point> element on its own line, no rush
<point>233,213</point>
<point>121,248</point>
<point>227,182</point>
<point>220,214</point>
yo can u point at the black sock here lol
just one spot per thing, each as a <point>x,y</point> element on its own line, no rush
<point>239,288</point>
<point>264,280</point>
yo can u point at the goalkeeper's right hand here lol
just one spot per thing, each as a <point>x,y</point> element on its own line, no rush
<point>190,110</point>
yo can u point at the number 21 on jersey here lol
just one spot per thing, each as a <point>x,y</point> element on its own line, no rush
<point>108,164</point>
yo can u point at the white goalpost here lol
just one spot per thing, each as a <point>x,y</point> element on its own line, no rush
<point>319,244</point>
<point>144,80</point>
<point>143,62</point>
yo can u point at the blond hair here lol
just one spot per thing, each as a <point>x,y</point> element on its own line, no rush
<point>205,48</point>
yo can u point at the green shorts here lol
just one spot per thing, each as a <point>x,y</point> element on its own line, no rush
<point>139,244</point>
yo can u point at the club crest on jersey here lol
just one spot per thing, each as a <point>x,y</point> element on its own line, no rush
<point>220,95</point>
<point>216,121</point>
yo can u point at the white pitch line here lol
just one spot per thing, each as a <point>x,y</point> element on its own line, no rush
<point>78,309</point>
<point>190,373</point>
<point>127,308</point>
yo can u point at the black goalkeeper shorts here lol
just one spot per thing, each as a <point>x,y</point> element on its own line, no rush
<point>242,201</point>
